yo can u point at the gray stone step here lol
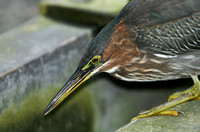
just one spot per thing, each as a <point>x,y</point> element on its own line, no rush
<point>35,38</point>
<point>96,12</point>
<point>188,123</point>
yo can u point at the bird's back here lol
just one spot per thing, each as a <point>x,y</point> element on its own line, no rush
<point>169,30</point>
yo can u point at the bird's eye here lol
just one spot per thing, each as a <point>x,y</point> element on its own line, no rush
<point>95,59</point>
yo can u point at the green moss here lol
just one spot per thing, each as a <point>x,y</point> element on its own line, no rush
<point>75,115</point>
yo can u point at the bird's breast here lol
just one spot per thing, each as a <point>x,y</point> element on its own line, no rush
<point>145,68</point>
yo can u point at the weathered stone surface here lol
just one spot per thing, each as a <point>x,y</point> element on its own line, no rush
<point>188,123</point>
<point>34,39</point>
<point>33,59</point>
<point>83,11</point>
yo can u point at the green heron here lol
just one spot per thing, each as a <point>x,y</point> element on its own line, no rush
<point>149,40</point>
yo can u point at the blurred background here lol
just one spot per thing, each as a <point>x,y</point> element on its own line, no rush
<point>15,12</point>
<point>41,43</point>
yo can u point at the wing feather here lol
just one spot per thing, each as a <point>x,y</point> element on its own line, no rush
<point>165,27</point>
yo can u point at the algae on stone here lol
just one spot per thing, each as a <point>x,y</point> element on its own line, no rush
<point>28,116</point>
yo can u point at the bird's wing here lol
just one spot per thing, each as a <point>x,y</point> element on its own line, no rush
<point>164,27</point>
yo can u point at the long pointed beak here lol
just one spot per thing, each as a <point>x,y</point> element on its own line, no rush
<point>76,79</point>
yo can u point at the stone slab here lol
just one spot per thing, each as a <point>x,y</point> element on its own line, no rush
<point>96,12</point>
<point>34,39</point>
<point>33,59</point>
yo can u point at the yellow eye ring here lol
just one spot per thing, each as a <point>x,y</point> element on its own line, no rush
<point>96,59</point>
